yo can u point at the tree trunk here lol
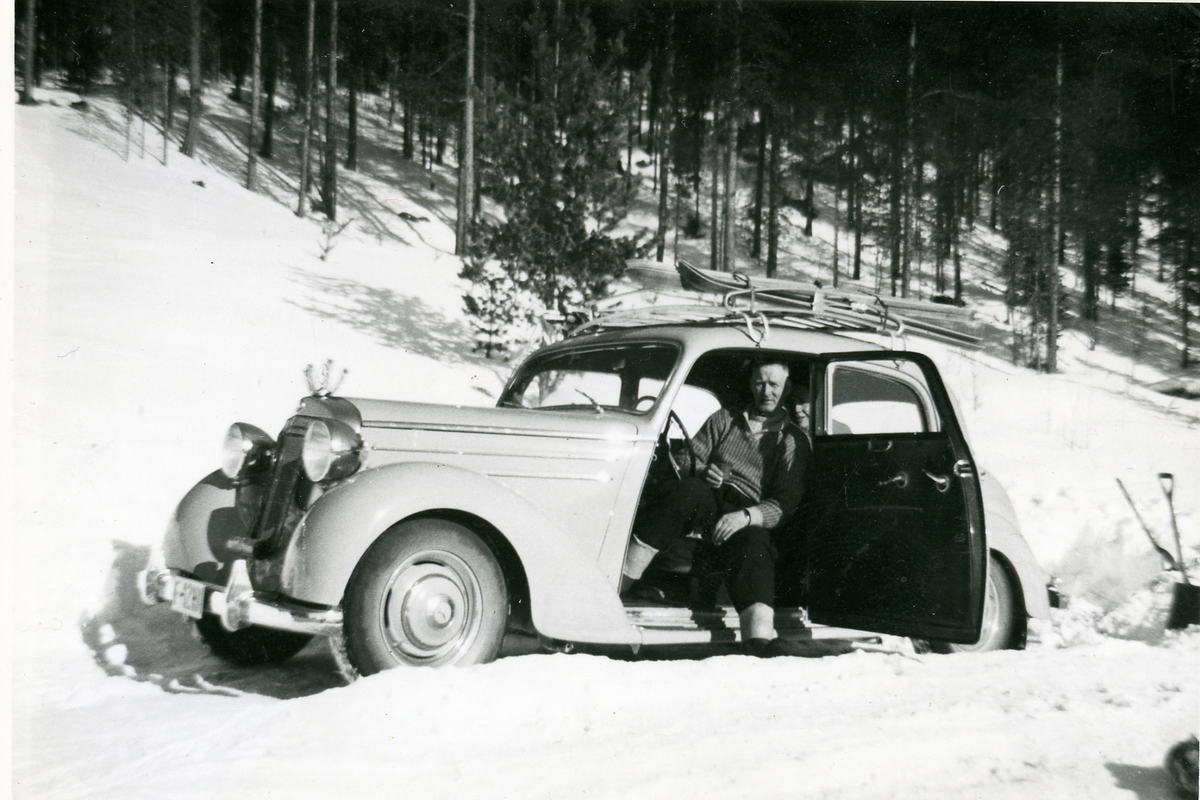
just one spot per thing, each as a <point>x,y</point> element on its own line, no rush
<point>309,97</point>
<point>810,202</point>
<point>1056,253</point>
<point>466,155</point>
<point>27,97</point>
<point>633,124</point>
<point>729,211</point>
<point>168,79</point>
<point>329,173</point>
<point>911,162</point>
<point>267,150</point>
<point>409,139</point>
<point>837,199</point>
<point>172,93</point>
<point>759,178</point>
<point>773,206</point>
<point>729,239</point>
<point>665,137</point>
<point>1186,271</point>
<point>715,233</point>
<point>895,198</point>
<point>853,204</point>
<point>408,87</point>
<point>255,65</point>
<point>423,126</point>
<point>956,254</point>
<point>352,117</point>
<point>393,69</point>
<point>195,89</point>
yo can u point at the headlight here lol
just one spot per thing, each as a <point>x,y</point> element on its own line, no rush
<point>331,451</point>
<point>246,448</point>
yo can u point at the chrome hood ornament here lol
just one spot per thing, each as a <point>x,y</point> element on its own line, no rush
<point>319,387</point>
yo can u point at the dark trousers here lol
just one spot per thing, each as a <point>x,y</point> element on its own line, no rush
<point>745,560</point>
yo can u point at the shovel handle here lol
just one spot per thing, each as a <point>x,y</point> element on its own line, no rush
<point>1167,558</point>
<point>1167,481</point>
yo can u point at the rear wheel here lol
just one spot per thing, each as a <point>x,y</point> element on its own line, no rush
<point>426,593</point>
<point>249,647</point>
<point>1000,605</point>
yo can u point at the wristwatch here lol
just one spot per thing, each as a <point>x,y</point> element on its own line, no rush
<point>749,516</point>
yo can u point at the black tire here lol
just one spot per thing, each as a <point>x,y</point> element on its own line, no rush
<point>427,593</point>
<point>250,647</point>
<point>1000,609</point>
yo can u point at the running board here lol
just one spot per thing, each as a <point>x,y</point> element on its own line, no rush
<point>682,625</point>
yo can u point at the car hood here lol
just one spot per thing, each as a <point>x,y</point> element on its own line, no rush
<point>579,423</point>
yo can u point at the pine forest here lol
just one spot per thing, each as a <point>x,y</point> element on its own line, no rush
<point>1070,133</point>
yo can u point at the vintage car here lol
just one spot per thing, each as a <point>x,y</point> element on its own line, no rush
<point>418,534</point>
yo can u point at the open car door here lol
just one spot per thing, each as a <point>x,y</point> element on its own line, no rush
<point>895,513</point>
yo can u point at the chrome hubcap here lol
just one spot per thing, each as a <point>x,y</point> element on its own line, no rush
<point>991,608</point>
<point>430,609</point>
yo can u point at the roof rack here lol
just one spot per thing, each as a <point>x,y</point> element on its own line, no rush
<point>734,298</point>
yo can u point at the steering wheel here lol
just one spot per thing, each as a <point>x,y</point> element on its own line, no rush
<point>646,397</point>
<point>687,441</point>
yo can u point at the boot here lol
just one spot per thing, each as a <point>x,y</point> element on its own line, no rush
<point>758,631</point>
<point>637,558</point>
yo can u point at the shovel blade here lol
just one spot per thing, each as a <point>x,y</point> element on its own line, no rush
<point>1185,607</point>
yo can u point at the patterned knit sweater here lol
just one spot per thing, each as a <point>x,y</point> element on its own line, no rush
<point>767,463</point>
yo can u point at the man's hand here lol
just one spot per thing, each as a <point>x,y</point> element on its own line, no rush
<point>713,476</point>
<point>729,524</point>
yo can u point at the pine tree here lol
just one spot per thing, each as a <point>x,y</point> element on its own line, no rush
<point>497,306</point>
<point>551,155</point>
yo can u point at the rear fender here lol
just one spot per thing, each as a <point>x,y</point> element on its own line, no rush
<point>1004,537</point>
<point>569,597</point>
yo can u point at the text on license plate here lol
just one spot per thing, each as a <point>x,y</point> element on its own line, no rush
<point>189,597</point>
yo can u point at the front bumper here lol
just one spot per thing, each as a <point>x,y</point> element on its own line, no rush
<point>237,605</point>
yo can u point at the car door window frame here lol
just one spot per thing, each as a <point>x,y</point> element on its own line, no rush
<point>931,417</point>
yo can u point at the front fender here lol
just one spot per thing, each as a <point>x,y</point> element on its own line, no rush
<point>1004,536</point>
<point>205,520</point>
<point>569,597</point>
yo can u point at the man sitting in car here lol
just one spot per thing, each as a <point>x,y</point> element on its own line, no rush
<point>751,481</point>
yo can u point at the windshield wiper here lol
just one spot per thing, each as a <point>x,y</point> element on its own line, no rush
<point>599,408</point>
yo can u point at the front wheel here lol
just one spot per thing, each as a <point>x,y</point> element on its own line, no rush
<point>1000,605</point>
<point>426,593</point>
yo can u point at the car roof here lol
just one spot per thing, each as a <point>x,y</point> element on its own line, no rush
<point>727,333</point>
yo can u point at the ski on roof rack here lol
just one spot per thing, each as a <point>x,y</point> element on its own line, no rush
<point>738,298</point>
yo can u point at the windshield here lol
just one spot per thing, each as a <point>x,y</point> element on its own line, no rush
<point>626,377</point>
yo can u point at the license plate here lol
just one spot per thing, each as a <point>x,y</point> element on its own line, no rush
<point>189,597</point>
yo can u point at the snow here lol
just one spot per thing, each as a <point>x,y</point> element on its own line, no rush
<point>151,311</point>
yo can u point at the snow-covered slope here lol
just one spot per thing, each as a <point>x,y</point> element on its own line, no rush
<point>155,305</point>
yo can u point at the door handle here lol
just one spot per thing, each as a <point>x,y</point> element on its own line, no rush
<point>963,469</point>
<point>940,481</point>
<point>899,480</point>
<point>879,445</point>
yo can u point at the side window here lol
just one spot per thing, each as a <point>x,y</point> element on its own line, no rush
<point>721,378</point>
<point>868,398</point>
<point>694,405</point>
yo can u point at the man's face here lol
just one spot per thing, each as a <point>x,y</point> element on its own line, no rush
<point>768,385</point>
